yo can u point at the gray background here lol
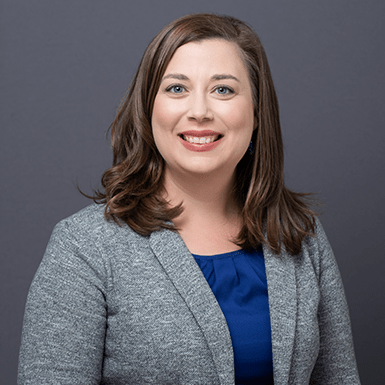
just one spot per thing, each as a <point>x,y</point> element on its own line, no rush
<point>66,64</point>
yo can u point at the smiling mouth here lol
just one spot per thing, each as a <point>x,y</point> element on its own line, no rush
<point>201,139</point>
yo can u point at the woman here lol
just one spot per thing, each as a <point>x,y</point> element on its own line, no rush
<point>196,187</point>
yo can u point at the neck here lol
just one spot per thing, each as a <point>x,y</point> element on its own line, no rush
<point>210,220</point>
<point>203,196</point>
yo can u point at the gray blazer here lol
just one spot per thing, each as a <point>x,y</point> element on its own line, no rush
<point>108,306</point>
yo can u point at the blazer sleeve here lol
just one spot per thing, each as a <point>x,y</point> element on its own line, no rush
<point>336,363</point>
<point>65,316</point>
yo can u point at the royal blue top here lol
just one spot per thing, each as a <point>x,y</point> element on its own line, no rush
<point>238,281</point>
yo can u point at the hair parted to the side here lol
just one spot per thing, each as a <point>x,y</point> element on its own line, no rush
<point>133,186</point>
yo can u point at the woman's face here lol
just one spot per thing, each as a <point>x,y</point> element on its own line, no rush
<point>203,115</point>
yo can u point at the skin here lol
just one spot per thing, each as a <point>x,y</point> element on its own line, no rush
<point>205,87</point>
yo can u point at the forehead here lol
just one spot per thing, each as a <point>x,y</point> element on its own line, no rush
<point>206,56</point>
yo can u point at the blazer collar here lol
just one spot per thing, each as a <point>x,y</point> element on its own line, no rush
<point>282,289</point>
<point>183,271</point>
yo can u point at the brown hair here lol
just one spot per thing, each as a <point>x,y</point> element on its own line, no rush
<point>133,186</point>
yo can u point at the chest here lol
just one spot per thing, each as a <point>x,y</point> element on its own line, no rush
<point>150,330</point>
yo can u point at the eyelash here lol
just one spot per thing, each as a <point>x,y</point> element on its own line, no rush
<point>169,89</point>
<point>229,89</point>
<point>173,86</point>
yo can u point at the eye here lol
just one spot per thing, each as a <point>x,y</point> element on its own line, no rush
<point>224,90</point>
<point>176,88</point>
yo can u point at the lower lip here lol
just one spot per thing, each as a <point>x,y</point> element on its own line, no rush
<point>200,147</point>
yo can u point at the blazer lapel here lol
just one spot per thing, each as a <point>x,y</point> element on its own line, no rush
<point>281,282</point>
<point>189,281</point>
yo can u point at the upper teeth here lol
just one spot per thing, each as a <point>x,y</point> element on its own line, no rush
<point>201,140</point>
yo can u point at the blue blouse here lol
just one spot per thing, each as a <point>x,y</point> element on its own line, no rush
<point>238,281</point>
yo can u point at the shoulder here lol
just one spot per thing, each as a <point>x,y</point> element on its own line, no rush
<point>317,243</point>
<point>87,241</point>
<point>90,225</point>
<point>88,221</point>
<point>317,251</point>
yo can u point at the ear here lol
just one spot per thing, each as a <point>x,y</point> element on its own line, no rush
<point>255,123</point>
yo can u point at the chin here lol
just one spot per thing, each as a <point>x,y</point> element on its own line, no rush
<point>207,169</point>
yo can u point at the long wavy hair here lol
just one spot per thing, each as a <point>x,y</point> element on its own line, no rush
<point>133,186</point>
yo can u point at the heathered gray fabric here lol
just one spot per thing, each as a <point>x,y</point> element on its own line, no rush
<point>108,306</point>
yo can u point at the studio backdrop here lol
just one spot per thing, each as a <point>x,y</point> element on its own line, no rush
<point>65,65</point>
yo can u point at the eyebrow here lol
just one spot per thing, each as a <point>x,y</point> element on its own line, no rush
<point>176,76</point>
<point>214,77</point>
<point>224,76</point>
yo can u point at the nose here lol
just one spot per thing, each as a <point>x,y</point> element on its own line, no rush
<point>199,108</point>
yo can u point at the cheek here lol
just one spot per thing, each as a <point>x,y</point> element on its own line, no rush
<point>165,114</point>
<point>239,118</point>
<point>246,114</point>
<point>158,114</point>
<point>163,121</point>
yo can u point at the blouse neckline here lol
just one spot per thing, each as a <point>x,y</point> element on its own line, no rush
<point>230,254</point>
